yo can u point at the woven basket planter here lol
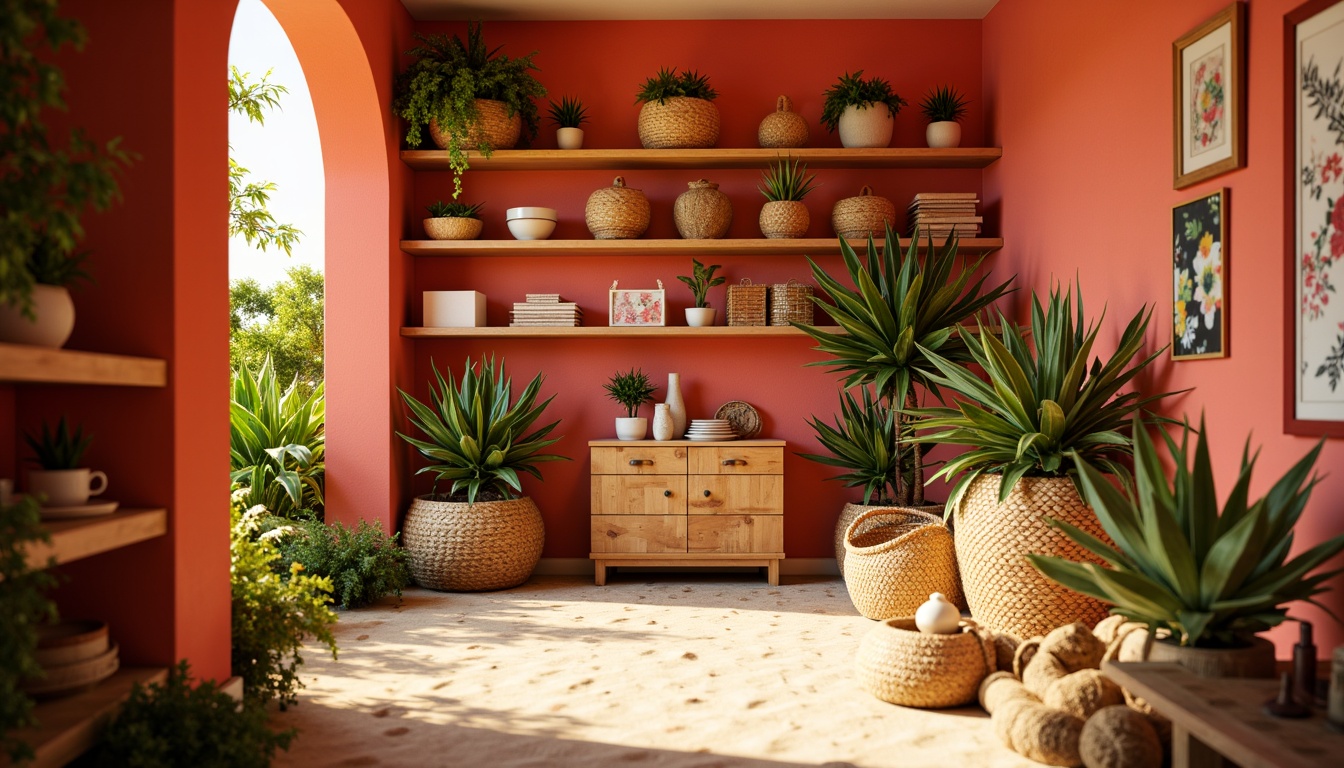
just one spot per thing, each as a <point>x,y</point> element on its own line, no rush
<point>453,228</point>
<point>784,219</point>
<point>895,558</point>
<point>899,664</point>
<point>617,212</point>
<point>494,127</point>
<point>864,215</point>
<point>702,212</point>
<point>746,303</point>
<point>782,128</point>
<point>680,122</point>
<point>790,302</point>
<point>1004,591</point>
<point>850,512</point>
<point>460,547</point>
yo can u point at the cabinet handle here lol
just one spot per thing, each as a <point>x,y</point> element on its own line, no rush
<point>667,494</point>
<point>734,462</point>
<point>637,462</point>
<point>706,493</point>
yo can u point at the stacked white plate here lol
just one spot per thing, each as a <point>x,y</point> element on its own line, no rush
<point>710,429</point>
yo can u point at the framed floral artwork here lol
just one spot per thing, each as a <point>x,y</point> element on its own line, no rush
<point>1209,90</point>
<point>1199,278</point>
<point>1314,241</point>
<point>643,306</point>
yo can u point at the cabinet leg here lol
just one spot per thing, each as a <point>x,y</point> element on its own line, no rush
<point>1189,752</point>
<point>772,573</point>
<point>599,573</point>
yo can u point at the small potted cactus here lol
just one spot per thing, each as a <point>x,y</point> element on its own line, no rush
<point>568,116</point>
<point>453,221</point>
<point>944,106</point>
<point>785,185</point>
<point>700,281</point>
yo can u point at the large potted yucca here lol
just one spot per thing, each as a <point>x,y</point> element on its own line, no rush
<point>480,534</point>
<point>1046,404</point>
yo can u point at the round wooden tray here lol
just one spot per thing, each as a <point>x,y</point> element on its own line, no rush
<point>72,678</point>
<point>69,642</point>
<point>745,420</point>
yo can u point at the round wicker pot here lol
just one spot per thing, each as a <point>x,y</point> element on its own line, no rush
<point>850,512</point>
<point>702,212</point>
<point>494,127</point>
<point>899,664</point>
<point>784,219</point>
<point>782,128</point>
<point>453,228</point>
<point>895,558</point>
<point>1256,659</point>
<point>680,122</point>
<point>617,212</point>
<point>863,215</point>
<point>460,547</point>
<point>55,318</point>
<point>1003,590</point>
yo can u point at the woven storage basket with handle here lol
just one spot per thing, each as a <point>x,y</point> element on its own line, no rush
<point>746,303</point>
<point>790,302</point>
<point>859,217</point>
<point>617,212</point>
<point>895,558</point>
<point>899,664</point>
<point>460,547</point>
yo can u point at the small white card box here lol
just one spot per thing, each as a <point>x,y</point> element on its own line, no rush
<point>454,309</point>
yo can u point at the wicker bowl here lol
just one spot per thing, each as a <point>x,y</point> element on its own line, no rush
<point>617,212</point>
<point>494,127</point>
<point>68,642</point>
<point>864,215</point>
<point>453,228</point>
<point>680,122</point>
<point>460,547</point>
<point>784,219</point>
<point>899,664</point>
<point>895,558</point>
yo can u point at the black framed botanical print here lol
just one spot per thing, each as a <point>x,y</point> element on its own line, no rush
<point>1199,278</point>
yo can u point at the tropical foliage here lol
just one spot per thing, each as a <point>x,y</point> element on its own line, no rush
<point>285,322</point>
<point>25,605</point>
<point>667,84</point>
<point>248,200</point>
<point>701,280</point>
<point>277,443</point>
<point>854,91</point>
<point>863,441</point>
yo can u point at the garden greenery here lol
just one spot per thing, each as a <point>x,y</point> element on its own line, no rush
<point>248,214</point>
<point>24,605</point>
<point>284,322</point>
<point>277,443</point>
<point>363,564</point>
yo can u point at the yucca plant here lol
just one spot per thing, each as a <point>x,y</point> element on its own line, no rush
<point>479,437</point>
<point>569,113</point>
<point>1210,577</point>
<point>441,210</point>
<point>942,104</point>
<point>701,280</point>
<point>1046,403</point>
<point>853,90</point>
<point>631,390</point>
<point>60,449</point>
<point>277,443</point>
<point>786,181</point>
<point>863,441</point>
<point>898,312</point>
<point>668,84</point>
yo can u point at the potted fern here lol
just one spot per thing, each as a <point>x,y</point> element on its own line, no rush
<point>467,97</point>
<point>481,533</point>
<point>453,221</point>
<point>864,110</point>
<point>944,106</point>
<point>569,115</point>
<point>678,111</point>
<point>784,185</point>
<point>631,390</point>
<point>700,281</point>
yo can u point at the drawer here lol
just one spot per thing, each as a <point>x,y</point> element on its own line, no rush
<point>735,534</point>
<point>735,494</point>
<point>638,533</point>
<point>638,494</point>
<point>639,460</point>
<point>727,460</point>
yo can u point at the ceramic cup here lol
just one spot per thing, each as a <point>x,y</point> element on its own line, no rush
<point>66,487</point>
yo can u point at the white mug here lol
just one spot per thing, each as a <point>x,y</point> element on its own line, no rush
<point>65,487</point>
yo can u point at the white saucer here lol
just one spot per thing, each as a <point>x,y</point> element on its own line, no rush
<point>709,438</point>
<point>92,509</point>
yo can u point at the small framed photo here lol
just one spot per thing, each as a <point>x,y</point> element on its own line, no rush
<point>1209,89</point>
<point>1199,278</point>
<point>642,306</point>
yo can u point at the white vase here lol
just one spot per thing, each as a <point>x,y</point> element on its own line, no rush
<point>943,134</point>
<point>55,318</point>
<point>663,428</point>
<point>631,428</point>
<point>65,487</point>
<point>868,127</point>
<point>675,406</point>
<point>569,138</point>
<point>700,317</point>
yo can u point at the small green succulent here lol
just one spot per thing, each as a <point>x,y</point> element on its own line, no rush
<point>668,84</point>
<point>853,90</point>
<point>701,280</point>
<point>569,113</point>
<point>943,104</point>
<point>786,181</point>
<point>442,210</point>
<point>631,390</point>
<point>60,449</point>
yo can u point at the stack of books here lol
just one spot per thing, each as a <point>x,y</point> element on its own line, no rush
<point>545,309</point>
<point>942,213</point>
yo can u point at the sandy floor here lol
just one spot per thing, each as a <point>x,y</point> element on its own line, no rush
<point>654,669</point>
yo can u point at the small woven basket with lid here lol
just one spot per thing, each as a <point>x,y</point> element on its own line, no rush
<point>617,212</point>
<point>746,303</point>
<point>864,215</point>
<point>790,302</point>
<point>702,212</point>
<point>680,122</point>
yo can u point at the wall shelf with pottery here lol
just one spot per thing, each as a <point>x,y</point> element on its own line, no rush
<point>608,332</point>
<point>83,537</point>
<point>44,365</point>
<point>641,159</point>
<point>70,726</point>
<point>818,246</point>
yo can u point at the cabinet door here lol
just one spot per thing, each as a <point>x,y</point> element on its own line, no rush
<point>735,495</point>
<point>638,494</point>
<point>638,460</point>
<point>735,534</point>
<point>727,460</point>
<point>638,533</point>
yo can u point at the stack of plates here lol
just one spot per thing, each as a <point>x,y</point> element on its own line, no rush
<point>710,429</point>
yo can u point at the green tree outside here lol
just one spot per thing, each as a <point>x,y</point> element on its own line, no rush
<point>285,321</point>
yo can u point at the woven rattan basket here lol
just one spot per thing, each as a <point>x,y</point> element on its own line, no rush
<point>702,212</point>
<point>494,127</point>
<point>679,122</point>
<point>617,212</point>
<point>1004,591</point>
<point>864,215</point>
<point>790,302</point>
<point>746,303</point>
<point>782,128</point>
<point>453,228</point>
<point>850,512</point>
<point>460,547</point>
<point>899,664</point>
<point>895,558</point>
<point>784,219</point>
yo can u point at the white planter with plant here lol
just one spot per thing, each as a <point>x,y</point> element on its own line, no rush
<point>785,185</point>
<point>568,116</point>
<point>678,111</point>
<point>48,322</point>
<point>61,481</point>
<point>863,110</point>
<point>453,221</point>
<point>700,281</point>
<point>631,390</point>
<point>944,107</point>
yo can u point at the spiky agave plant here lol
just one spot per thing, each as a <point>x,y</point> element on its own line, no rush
<point>276,442</point>
<point>568,112</point>
<point>942,104</point>
<point>786,181</point>
<point>441,210</point>
<point>863,442</point>
<point>667,84</point>
<point>1210,577</point>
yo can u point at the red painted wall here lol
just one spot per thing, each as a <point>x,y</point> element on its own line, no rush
<point>749,63</point>
<point>1079,97</point>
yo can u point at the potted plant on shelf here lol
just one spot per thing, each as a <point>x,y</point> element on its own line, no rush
<point>700,281</point>
<point>855,106</point>
<point>569,115</point>
<point>61,481</point>
<point>467,97</point>
<point>453,221</point>
<point>678,111</point>
<point>1047,404</point>
<point>944,106</point>
<point>1203,581</point>
<point>631,390</point>
<point>50,316</point>
<point>482,534</point>
<point>785,185</point>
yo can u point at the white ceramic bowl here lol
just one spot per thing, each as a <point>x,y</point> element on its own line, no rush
<point>530,213</point>
<point>531,229</point>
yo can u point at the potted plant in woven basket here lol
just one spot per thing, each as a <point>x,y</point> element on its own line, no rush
<point>467,97</point>
<point>453,221</point>
<point>1200,582</point>
<point>631,390</point>
<point>1047,404</point>
<point>678,111</point>
<point>943,106</point>
<point>569,116</point>
<point>481,534</point>
<point>785,184</point>
<point>700,281</point>
<point>864,110</point>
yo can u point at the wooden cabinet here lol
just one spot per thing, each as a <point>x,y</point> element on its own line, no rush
<point>687,503</point>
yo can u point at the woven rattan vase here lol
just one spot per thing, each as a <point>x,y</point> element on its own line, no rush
<point>702,212</point>
<point>494,127</point>
<point>1004,591</point>
<point>863,215</point>
<point>899,664</point>
<point>680,122</point>
<point>895,558</point>
<point>617,212</point>
<point>784,219</point>
<point>460,547</point>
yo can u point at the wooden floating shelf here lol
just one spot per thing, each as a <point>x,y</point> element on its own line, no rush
<point>82,537</point>
<point>69,727</point>
<point>641,159</point>
<point>606,332</point>
<point>820,246</point>
<point>43,365</point>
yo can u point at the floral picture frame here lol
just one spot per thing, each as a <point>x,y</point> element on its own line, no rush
<point>1199,277</point>
<point>637,307</point>
<point>1209,116</point>
<point>1314,213</point>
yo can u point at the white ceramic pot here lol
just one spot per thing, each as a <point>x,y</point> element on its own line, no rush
<point>569,138</point>
<point>65,487</point>
<point>631,429</point>
<point>943,134</point>
<point>700,317</point>
<point>55,319</point>
<point>867,127</point>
